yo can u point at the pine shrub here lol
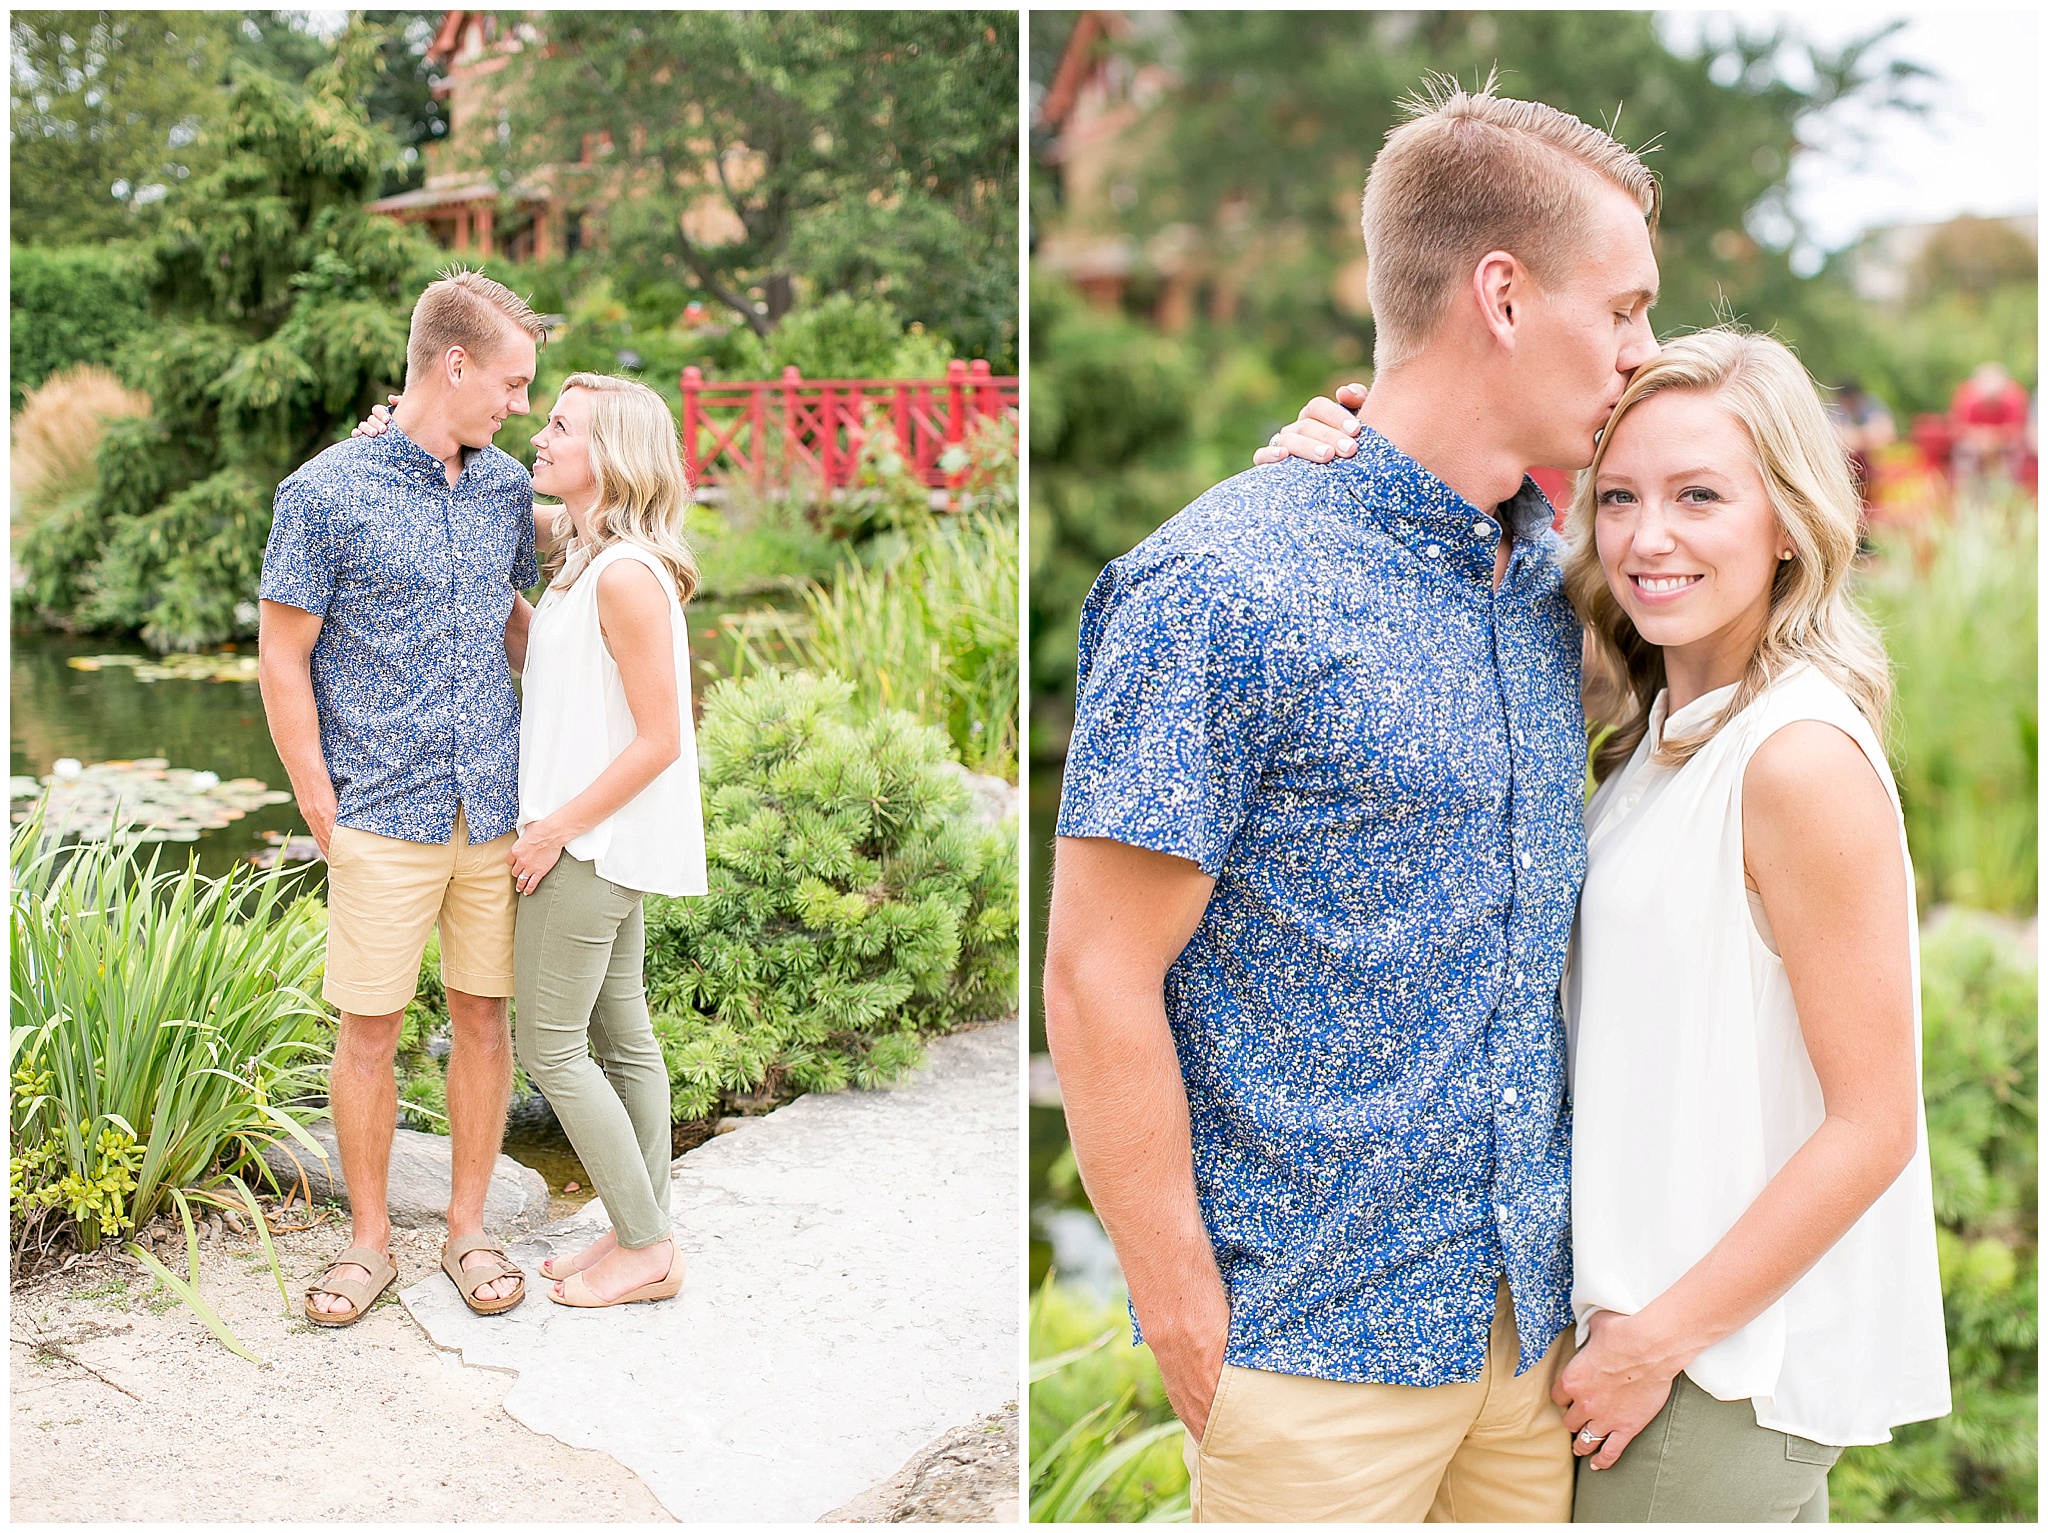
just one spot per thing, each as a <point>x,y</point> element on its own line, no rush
<point>853,907</point>
<point>1981,1080</point>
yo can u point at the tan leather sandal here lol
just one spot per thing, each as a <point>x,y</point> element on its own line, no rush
<point>468,1280</point>
<point>576,1292</point>
<point>360,1293</point>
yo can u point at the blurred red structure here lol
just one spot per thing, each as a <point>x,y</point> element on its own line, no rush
<point>1986,432</point>
<point>763,430</point>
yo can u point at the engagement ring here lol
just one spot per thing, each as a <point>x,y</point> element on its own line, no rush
<point>1586,1436</point>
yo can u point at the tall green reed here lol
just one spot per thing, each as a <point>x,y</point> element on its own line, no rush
<point>933,633</point>
<point>1105,1446</point>
<point>1956,601</point>
<point>165,1026</point>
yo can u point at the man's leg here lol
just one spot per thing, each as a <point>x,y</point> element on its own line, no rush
<point>381,897</point>
<point>1516,1463</point>
<point>479,1085</point>
<point>1281,1448</point>
<point>362,1096</point>
<point>477,918</point>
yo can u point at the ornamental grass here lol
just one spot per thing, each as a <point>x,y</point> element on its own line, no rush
<point>165,1026</point>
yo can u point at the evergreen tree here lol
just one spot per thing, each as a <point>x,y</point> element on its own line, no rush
<point>284,311</point>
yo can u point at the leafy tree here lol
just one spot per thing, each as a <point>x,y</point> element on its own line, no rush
<point>871,151</point>
<point>283,319</point>
<point>1278,114</point>
<point>105,112</point>
<point>1982,1084</point>
<point>1111,406</point>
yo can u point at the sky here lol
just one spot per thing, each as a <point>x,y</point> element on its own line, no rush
<point>1977,149</point>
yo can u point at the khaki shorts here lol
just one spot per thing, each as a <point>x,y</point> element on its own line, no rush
<point>1281,1448</point>
<point>383,897</point>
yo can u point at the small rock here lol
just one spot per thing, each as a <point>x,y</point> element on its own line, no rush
<point>419,1182</point>
<point>992,799</point>
<point>572,1187</point>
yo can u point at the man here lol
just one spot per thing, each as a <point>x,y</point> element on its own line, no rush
<point>389,607</point>
<point>1319,850</point>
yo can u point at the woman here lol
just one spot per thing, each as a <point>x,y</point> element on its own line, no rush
<point>1754,1263</point>
<point>608,812</point>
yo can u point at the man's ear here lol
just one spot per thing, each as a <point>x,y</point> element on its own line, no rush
<point>454,362</point>
<point>1499,282</point>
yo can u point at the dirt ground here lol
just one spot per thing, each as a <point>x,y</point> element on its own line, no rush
<point>124,1407</point>
<point>368,1424</point>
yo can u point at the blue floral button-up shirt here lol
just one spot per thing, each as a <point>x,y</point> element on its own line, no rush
<point>415,581</point>
<point>1307,684</point>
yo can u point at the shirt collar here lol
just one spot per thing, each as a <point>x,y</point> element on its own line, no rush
<point>415,459</point>
<point>1688,718</point>
<point>1427,513</point>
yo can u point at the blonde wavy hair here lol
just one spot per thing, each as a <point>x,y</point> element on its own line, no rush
<point>1806,475</point>
<point>643,490</point>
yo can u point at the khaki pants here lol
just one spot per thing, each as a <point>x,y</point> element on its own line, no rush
<point>1281,1448</point>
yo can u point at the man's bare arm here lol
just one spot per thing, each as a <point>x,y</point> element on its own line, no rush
<point>518,622</point>
<point>284,670</point>
<point>1120,916</point>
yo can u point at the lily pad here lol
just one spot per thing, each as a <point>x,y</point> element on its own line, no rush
<point>130,801</point>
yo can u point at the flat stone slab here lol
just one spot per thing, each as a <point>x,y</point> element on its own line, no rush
<point>417,1193</point>
<point>853,1293</point>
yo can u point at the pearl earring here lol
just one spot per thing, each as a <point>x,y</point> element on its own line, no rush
<point>1786,554</point>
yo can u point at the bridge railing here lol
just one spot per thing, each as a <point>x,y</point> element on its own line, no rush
<point>767,433</point>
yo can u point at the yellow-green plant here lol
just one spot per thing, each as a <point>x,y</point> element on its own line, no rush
<point>165,1026</point>
<point>1105,1446</point>
<point>1956,601</point>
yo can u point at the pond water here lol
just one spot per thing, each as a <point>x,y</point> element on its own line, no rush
<point>110,714</point>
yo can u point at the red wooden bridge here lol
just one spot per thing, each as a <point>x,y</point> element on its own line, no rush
<point>773,431</point>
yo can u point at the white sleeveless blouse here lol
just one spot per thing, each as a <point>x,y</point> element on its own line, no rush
<point>1692,1087</point>
<point>575,722</point>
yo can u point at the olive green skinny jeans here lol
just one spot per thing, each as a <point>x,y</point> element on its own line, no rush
<point>576,958</point>
<point>1706,1460</point>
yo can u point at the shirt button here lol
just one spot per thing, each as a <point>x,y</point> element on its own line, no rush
<point>1525,859</point>
<point>1510,1096</point>
<point>1480,529</point>
<point>1435,552</point>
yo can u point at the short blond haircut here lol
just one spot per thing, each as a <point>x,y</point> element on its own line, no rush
<point>1806,475</point>
<point>643,490</point>
<point>467,309</point>
<point>1470,172</point>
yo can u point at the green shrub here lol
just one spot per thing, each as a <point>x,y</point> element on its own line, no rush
<point>70,305</point>
<point>165,1026</point>
<point>1956,601</point>
<point>747,545</point>
<point>1981,1079</point>
<point>1105,1445</point>
<point>839,337</point>
<point>852,910</point>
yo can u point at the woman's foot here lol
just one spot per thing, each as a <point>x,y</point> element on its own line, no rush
<point>623,1269</point>
<point>555,1268</point>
